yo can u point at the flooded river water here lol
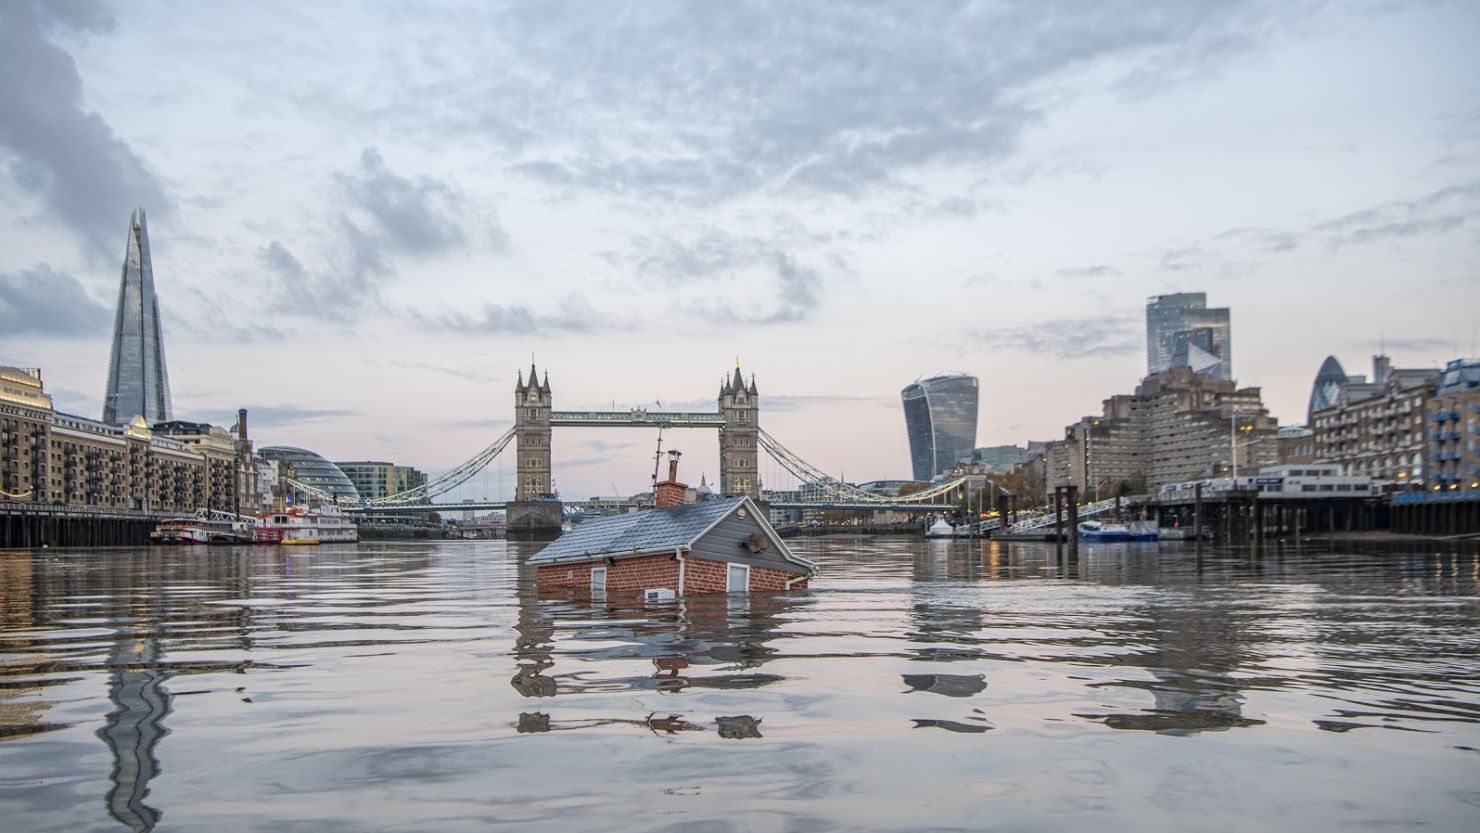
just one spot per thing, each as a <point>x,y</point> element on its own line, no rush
<point>917,686</point>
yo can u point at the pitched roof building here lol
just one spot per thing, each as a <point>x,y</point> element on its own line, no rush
<point>716,546</point>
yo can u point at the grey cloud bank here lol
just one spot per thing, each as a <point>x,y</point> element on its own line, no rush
<point>405,204</point>
<point>67,155</point>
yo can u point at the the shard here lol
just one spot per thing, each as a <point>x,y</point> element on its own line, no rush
<point>137,380</point>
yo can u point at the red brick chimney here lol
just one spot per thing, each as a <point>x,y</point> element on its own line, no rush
<point>670,492</point>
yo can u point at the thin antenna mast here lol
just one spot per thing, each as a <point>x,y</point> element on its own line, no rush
<point>658,457</point>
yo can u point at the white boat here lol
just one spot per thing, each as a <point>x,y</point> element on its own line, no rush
<point>204,528</point>
<point>943,529</point>
<point>298,526</point>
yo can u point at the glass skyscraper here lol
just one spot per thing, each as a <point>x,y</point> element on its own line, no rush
<point>138,383</point>
<point>1176,323</point>
<point>940,419</point>
<point>1325,389</point>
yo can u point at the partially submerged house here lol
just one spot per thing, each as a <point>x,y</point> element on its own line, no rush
<point>716,546</point>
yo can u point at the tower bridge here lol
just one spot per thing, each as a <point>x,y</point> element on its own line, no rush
<point>536,508</point>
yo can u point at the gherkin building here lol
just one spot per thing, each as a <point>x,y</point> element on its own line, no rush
<point>1327,387</point>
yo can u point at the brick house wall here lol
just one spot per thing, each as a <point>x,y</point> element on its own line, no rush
<point>633,575</point>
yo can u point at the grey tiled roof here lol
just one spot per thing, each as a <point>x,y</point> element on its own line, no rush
<point>650,529</point>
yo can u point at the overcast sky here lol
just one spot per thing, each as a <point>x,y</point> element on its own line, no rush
<point>365,217</point>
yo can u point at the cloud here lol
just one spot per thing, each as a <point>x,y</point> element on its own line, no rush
<point>1099,270</point>
<point>1435,213</point>
<point>272,415</point>
<point>479,376</point>
<point>1204,261</point>
<point>478,423</point>
<point>276,257</point>
<point>1265,240</point>
<point>574,315</point>
<point>384,213</point>
<point>83,172</point>
<point>40,301</point>
<point>421,215</point>
<point>799,402</point>
<point>347,285</point>
<point>1066,338</point>
<point>709,255</point>
<point>75,402</point>
<point>594,444</point>
<point>204,318</point>
<point>705,103</point>
<point>1412,345</point>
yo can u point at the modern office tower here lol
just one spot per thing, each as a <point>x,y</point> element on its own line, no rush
<point>374,479</point>
<point>940,419</point>
<point>1182,331</point>
<point>1327,386</point>
<point>138,383</point>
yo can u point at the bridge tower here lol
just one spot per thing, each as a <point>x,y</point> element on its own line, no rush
<point>535,512</point>
<point>739,453</point>
<point>532,436</point>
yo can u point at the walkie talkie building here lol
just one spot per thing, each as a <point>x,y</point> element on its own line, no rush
<point>138,383</point>
<point>940,418</point>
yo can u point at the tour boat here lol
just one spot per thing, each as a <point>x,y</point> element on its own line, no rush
<point>297,526</point>
<point>201,530</point>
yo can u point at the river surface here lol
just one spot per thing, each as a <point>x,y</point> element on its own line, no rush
<point>421,686</point>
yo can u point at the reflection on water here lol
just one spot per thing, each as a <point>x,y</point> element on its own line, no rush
<point>135,727</point>
<point>918,684</point>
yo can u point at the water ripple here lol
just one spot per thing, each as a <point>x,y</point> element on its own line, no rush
<point>918,685</point>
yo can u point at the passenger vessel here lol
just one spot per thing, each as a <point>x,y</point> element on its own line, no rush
<point>298,526</point>
<point>204,529</point>
<point>1108,533</point>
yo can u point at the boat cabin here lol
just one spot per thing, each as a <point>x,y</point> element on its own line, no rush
<point>676,548</point>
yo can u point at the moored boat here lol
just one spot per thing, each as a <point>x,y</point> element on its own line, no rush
<point>941,529</point>
<point>204,529</point>
<point>299,526</point>
<point>1111,533</point>
<point>1106,533</point>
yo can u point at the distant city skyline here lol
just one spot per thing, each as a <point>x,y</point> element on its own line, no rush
<point>364,241</point>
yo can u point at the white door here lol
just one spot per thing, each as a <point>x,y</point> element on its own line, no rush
<point>738,580</point>
<point>598,580</point>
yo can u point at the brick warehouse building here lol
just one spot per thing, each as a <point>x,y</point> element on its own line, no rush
<point>717,546</point>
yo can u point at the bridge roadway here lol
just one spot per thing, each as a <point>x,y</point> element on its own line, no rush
<point>637,418</point>
<point>484,506</point>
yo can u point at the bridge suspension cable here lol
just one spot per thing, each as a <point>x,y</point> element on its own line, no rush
<point>809,474</point>
<point>447,481</point>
